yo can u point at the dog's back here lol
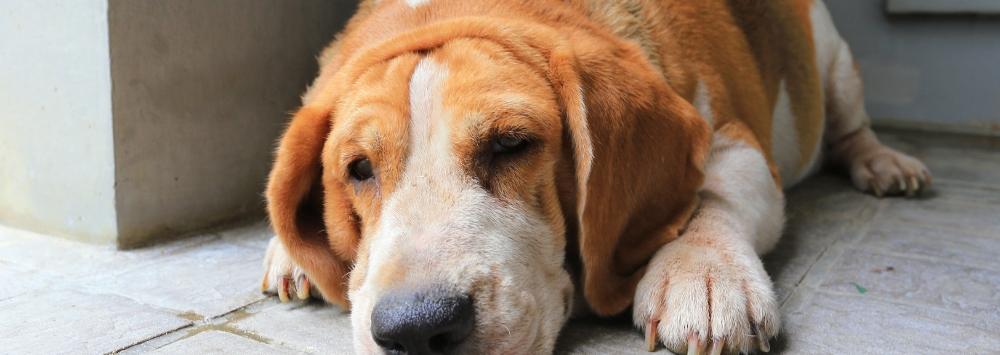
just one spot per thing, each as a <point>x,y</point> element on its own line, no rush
<point>758,62</point>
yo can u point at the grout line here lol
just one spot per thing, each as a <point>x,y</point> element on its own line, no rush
<point>194,325</point>
<point>143,341</point>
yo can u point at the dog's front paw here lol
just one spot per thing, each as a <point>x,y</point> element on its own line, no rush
<point>282,276</point>
<point>706,294</point>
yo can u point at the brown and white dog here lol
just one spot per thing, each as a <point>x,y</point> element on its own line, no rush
<point>461,171</point>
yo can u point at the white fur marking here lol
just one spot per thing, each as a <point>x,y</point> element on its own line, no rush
<point>825,37</point>
<point>834,62</point>
<point>785,138</point>
<point>425,92</point>
<point>416,3</point>
<point>703,102</point>
<point>841,82</point>
<point>738,175</point>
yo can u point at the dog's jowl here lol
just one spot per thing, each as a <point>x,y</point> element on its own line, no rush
<point>465,176</point>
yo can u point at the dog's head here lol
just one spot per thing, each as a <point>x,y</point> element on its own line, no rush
<point>445,171</point>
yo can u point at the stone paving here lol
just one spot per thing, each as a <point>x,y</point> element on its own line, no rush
<point>854,274</point>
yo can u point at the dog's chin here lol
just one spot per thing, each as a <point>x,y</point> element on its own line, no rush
<point>499,341</point>
<point>526,338</point>
<point>526,324</point>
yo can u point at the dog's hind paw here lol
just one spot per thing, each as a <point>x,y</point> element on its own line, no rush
<point>885,171</point>
<point>282,276</point>
<point>696,298</point>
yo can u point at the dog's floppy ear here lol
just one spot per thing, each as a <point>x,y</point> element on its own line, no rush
<point>639,150</point>
<point>295,203</point>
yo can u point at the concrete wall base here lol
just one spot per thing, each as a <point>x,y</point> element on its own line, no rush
<point>129,121</point>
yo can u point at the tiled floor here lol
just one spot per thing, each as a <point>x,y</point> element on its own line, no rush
<point>855,275</point>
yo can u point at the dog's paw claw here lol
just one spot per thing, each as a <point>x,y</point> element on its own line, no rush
<point>763,341</point>
<point>874,189</point>
<point>717,346</point>
<point>699,346</point>
<point>914,186</point>
<point>651,339</point>
<point>282,276</point>
<point>283,289</point>
<point>303,287</point>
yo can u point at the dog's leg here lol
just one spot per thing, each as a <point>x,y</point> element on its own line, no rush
<point>874,167</point>
<point>282,276</point>
<point>708,289</point>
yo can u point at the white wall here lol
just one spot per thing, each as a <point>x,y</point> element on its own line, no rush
<point>56,145</point>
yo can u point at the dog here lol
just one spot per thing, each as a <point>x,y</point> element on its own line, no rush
<point>465,176</point>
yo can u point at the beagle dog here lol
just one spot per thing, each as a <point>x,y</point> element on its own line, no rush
<point>464,176</point>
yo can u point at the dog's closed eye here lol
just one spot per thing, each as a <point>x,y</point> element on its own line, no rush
<point>502,150</point>
<point>501,155</point>
<point>508,144</point>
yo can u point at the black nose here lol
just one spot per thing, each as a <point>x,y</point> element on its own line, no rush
<point>428,321</point>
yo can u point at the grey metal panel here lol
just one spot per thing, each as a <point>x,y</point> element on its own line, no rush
<point>947,7</point>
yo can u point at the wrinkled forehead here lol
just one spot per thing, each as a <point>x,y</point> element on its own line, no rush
<point>467,86</point>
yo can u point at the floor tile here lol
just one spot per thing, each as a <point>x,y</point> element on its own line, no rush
<point>801,246</point>
<point>933,283</point>
<point>814,225</point>
<point>71,260</point>
<point>976,248</point>
<point>593,336</point>
<point>942,213</point>
<point>313,328</point>
<point>63,322</point>
<point>212,279</point>
<point>825,323</point>
<point>19,280</point>
<point>254,235</point>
